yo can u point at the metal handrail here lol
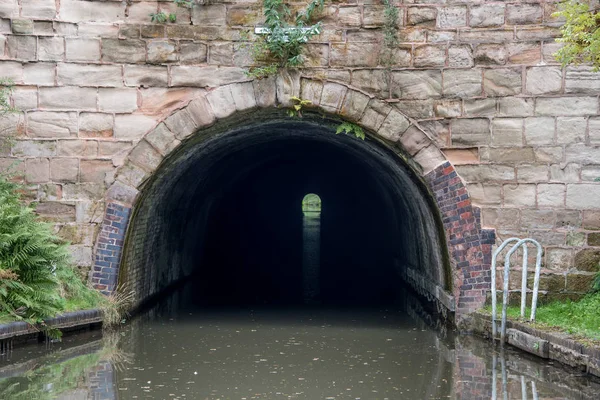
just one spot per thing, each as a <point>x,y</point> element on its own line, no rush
<point>493,271</point>
<point>519,243</point>
<point>536,282</point>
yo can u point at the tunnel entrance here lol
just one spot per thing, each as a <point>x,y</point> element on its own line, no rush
<point>222,211</point>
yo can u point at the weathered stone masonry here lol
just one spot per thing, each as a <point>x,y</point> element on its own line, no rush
<point>477,79</point>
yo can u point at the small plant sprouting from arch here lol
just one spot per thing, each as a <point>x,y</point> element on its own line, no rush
<point>349,129</point>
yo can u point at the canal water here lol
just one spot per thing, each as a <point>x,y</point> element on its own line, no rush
<point>392,352</point>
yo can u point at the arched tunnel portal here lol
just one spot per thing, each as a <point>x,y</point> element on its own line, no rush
<point>225,209</point>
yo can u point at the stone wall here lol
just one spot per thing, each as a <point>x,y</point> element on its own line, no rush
<point>478,78</point>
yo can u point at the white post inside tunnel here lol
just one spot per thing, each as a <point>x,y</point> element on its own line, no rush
<point>311,245</point>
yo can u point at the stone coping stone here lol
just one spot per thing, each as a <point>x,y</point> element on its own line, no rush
<point>556,346</point>
<point>66,321</point>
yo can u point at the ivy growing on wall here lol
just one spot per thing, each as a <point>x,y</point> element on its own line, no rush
<point>6,88</point>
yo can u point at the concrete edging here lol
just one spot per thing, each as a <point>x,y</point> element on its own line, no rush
<point>63,322</point>
<point>549,345</point>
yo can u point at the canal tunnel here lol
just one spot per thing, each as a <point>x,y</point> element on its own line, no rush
<point>224,213</point>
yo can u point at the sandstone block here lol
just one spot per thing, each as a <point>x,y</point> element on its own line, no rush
<point>117,100</point>
<point>594,130</point>
<point>447,108</point>
<point>413,140</point>
<point>96,125</point>
<point>55,211</point>
<point>373,16</point>
<point>220,54</point>
<point>77,234</point>
<point>393,126</point>
<point>490,54</point>
<point>114,150</point>
<point>37,170</point>
<point>122,193</point>
<point>132,127</point>
<point>524,53</point>
<point>512,155</point>
<point>107,30</point>
<point>486,173</point>
<point>64,169</point>
<point>568,218</point>
<point>354,55</point>
<point>68,97</point>
<point>485,194</point>
<point>332,96</point>
<point>552,154</point>
<point>87,11</point>
<point>192,53</point>
<point>77,148</point>
<point>544,80</point>
<point>479,107</point>
<point>539,130</point>
<point>123,50</point>
<point>148,31</point>
<point>416,84</point>
<point>460,57</point>
<point>213,14</point>
<point>349,16</point>
<point>565,173</point>
<point>582,154</point>
<point>221,101</point>
<point>515,107</point>
<point>570,130</point>
<point>22,47</point>
<point>161,51</point>
<point>429,56</point>
<point>590,173</point>
<point>373,81</point>
<point>551,195</point>
<point>470,131</point>
<point>486,15</point>
<point>521,14</point>
<point>132,175</point>
<point>51,49</point>
<point>502,82</point>
<point>21,26</point>
<point>25,98</point>
<point>9,9</point>
<point>206,76</point>
<point>462,82</point>
<point>452,17</point>
<point>94,170</point>
<point>34,148</point>
<point>429,158</point>
<point>42,124</point>
<point>180,123</point>
<point>162,139</point>
<point>82,49</point>
<point>89,75</point>
<point>265,92</point>
<point>202,113</point>
<point>145,156</point>
<point>41,74</point>
<point>538,219</point>
<point>354,105</point>
<point>582,80</point>
<point>507,131</point>
<point>89,212</point>
<point>146,76</point>
<point>374,115</point>
<point>421,16</point>
<point>583,196</point>
<point>311,90</point>
<point>140,12</point>
<point>288,85</point>
<point>566,106</point>
<point>532,173</point>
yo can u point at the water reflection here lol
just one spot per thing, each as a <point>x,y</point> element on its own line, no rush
<point>293,354</point>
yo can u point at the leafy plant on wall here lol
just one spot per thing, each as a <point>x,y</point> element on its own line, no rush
<point>580,34</point>
<point>6,88</point>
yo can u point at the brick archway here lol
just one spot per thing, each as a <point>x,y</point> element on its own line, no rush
<point>468,245</point>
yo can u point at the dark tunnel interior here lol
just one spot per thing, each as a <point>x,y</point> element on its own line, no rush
<point>224,215</point>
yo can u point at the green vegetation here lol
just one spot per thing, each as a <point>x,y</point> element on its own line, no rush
<point>580,34</point>
<point>350,128</point>
<point>282,44</point>
<point>390,33</point>
<point>161,18</point>
<point>298,104</point>
<point>37,280</point>
<point>6,88</point>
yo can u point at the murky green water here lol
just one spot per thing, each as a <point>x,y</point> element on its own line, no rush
<point>281,354</point>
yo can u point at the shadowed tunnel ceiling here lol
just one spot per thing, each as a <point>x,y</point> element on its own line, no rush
<point>225,210</point>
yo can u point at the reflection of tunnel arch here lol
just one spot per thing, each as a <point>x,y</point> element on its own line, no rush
<point>180,206</point>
